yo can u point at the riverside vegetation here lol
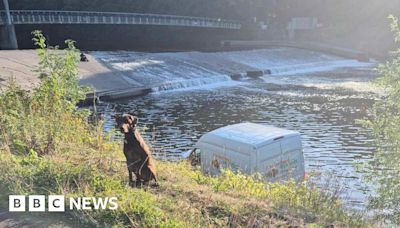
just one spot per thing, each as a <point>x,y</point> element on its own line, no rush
<point>385,126</point>
<point>49,147</point>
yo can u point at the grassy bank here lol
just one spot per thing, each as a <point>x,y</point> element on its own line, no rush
<point>185,198</point>
<point>48,147</point>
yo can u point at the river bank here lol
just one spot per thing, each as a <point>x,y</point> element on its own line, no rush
<point>185,197</point>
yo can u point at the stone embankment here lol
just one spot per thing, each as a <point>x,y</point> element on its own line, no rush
<point>325,48</point>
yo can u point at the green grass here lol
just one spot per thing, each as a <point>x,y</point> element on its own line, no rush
<point>185,197</point>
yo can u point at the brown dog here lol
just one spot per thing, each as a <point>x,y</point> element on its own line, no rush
<point>138,155</point>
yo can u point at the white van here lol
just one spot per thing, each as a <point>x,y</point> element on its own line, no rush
<point>275,153</point>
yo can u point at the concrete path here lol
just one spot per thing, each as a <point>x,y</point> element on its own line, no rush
<point>21,64</point>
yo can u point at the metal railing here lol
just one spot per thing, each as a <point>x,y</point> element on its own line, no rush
<point>88,17</point>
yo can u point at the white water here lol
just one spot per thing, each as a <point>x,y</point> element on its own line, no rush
<point>203,83</point>
<point>195,70</point>
<point>317,67</point>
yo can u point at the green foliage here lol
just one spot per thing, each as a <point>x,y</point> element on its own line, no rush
<point>385,125</point>
<point>302,199</point>
<point>36,120</point>
<point>59,90</point>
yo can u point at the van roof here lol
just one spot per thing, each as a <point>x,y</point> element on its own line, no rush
<point>246,135</point>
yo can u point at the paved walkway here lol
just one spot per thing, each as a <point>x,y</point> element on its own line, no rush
<point>21,64</point>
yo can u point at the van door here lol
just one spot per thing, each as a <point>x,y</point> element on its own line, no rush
<point>292,164</point>
<point>268,161</point>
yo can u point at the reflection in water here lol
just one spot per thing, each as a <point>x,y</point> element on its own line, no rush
<point>326,117</point>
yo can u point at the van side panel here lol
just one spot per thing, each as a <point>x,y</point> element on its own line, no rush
<point>214,159</point>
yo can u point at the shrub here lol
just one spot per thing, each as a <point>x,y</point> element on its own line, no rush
<point>37,120</point>
<point>384,170</point>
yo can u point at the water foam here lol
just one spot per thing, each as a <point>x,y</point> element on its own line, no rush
<point>317,67</point>
<point>182,71</point>
<point>195,84</point>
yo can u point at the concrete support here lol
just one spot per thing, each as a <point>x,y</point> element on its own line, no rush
<point>7,32</point>
<point>8,38</point>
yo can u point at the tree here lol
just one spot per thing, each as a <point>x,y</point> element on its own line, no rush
<point>384,171</point>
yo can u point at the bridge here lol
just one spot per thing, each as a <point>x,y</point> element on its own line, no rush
<point>9,18</point>
<point>19,17</point>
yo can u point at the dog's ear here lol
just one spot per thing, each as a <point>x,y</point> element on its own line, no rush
<point>133,119</point>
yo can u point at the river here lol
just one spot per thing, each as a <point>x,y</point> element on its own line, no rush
<point>318,95</point>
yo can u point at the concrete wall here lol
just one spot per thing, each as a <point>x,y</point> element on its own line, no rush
<point>334,50</point>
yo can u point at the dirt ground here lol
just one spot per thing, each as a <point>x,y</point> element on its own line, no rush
<point>39,220</point>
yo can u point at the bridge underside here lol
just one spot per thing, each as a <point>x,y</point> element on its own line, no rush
<point>33,17</point>
<point>146,38</point>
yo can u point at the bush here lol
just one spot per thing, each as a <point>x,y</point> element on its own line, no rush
<point>384,170</point>
<point>37,120</point>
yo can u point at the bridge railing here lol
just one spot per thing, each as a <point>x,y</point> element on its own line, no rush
<point>89,17</point>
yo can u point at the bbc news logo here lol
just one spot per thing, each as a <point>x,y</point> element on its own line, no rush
<point>56,203</point>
